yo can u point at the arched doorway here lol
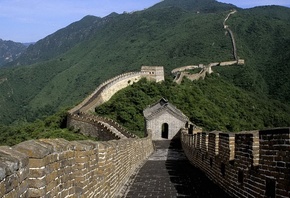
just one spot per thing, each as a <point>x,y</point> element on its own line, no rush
<point>164,132</point>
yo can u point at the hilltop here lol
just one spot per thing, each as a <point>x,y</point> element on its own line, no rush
<point>61,69</point>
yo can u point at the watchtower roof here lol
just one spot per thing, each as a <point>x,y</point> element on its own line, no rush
<point>161,106</point>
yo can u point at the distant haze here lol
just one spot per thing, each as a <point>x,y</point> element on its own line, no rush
<point>31,20</point>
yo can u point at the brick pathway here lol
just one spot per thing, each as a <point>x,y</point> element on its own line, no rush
<point>168,173</point>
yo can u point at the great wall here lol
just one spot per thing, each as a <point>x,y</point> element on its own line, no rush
<point>181,72</point>
<point>59,168</point>
<point>246,164</point>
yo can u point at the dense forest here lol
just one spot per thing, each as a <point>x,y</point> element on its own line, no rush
<point>53,126</point>
<point>60,70</point>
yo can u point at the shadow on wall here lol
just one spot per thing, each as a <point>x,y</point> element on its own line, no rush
<point>188,180</point>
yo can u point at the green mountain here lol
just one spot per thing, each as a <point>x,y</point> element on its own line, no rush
<point>204,6</point>
<point>10,51</point>
<point>60,41</point>
<point>263,38</point>
<point>69,65</point>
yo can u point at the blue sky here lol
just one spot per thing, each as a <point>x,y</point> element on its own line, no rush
<point>31,20</point>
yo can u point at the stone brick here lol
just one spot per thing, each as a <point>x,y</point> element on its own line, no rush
<point>11,194</point>
<point>37,163</point>
<point>22,158</point>
<point>53,166</point>
<point>2,188</point>
<point>22,188</point>
<point>9,163</point>
<point>38,172</point>
<point>33,149</point>
<point>37,183</point>
<point>55,171</point>
<point>3,171</point>
<point>33,192</point>
<point>51,176</point>
<point>51,185</point>
<point>11,182</point>
<point>59,145</point>
<point>22,173</point>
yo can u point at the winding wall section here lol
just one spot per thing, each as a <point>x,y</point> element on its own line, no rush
<point>181,71</point>
<point>80,118</point>
<point>226,27</point>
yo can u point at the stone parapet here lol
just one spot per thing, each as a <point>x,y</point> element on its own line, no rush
<point>244,164</point>
<point>108,88</point>
<point>59,168</point>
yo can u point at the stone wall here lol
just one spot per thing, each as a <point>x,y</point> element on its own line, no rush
<point>106,90</point>
<point>112,88</point>
<point>80,116</point>
<point>91,127</point>
<point>246,164</point>
<point>59,168</point>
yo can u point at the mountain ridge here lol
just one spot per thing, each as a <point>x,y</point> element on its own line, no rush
<point>206,6</point>
<point>59,42</point>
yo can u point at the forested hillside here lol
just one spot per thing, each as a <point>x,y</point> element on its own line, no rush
<point>74,60</point>
<point>10,51</point>
<point>263,38</point>
<point>213,104</point>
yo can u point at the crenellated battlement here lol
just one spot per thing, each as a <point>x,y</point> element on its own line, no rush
<point>245,164</point>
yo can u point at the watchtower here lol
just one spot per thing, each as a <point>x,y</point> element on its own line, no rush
<point>154,73</point>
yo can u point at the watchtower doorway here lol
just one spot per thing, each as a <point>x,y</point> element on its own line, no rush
<point>164,132</point>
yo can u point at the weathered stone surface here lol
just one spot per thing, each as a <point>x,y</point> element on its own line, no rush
<point>32,192</point>
<point>89,143</point>
<point>34,149</point>
<point>2,171</point>
<point>12,164</point>
<point>22,158</point>
<point>81,146</point>
<point>2,188</point>
<point>58,145</point>
<point>38,172</point>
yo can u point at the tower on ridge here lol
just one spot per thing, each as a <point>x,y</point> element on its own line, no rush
<point>154,73</point>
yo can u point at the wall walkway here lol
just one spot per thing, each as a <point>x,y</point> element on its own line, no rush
<point>168,174</point>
